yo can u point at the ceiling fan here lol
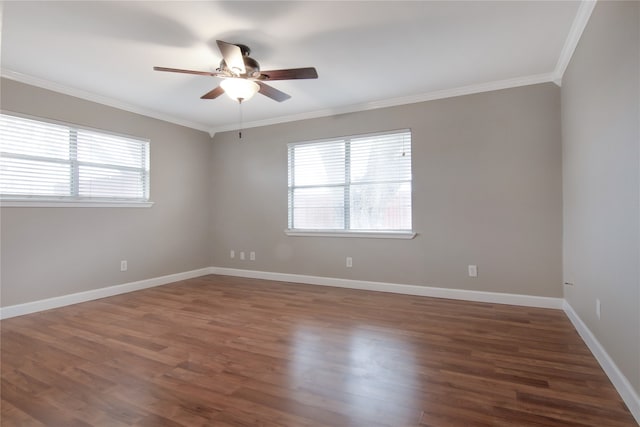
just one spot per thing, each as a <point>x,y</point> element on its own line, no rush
<point>242,76</point>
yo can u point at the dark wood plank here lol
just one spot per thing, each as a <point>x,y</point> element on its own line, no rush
<point>230,351</point>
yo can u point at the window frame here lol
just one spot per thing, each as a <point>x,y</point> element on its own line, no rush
<point>74,200</point>
<point>346,232</point>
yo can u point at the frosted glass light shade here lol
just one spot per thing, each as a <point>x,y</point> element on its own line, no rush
<point>239,89</point>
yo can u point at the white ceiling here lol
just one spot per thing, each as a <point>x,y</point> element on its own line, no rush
<point>368,53</point>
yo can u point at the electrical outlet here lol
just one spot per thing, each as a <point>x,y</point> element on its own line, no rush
<point>232,253</point>
<point>242,255</point>
<point>349,262</point>
<point>123,265</point>
<point>473,270</point>
<point>252,256</point>
<point>598,308</point>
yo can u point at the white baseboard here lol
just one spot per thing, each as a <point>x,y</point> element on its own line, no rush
<point>458,294</point>
<point>55,302</point>
<point>425,291</point>
<point>620,382</point>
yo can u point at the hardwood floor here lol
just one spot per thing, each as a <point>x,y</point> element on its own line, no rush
<point>224,351</point>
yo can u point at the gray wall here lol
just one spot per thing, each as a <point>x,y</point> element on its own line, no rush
<point>48,252</point>
<point>601,137</point>
<point>487,191</point>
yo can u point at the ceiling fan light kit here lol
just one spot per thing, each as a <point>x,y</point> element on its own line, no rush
<point>242,77</point>
<point>239,89</point>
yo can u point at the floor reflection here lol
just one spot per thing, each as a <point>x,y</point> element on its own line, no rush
<point>374,372</point>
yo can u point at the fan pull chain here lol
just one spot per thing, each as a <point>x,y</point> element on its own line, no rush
<point>240,111</point>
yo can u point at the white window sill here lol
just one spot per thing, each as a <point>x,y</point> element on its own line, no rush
<point>361,234</point>
<point>23,203</point>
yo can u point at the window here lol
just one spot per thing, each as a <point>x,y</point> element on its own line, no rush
<point>355,184</point>
<point>48,161</point>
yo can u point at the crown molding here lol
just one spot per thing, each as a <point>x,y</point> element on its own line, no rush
<point>100,99</point>
<point>571,43</point>
<point>393,102</point>
<point>577,28</point>
<point>385,103</point>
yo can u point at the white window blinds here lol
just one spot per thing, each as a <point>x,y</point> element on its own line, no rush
<point>358,183</point>
<point>54,161</point>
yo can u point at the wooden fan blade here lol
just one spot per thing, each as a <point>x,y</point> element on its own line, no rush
<point>289,74</point>
<point>177,70</point>
<point>272,92</point>
<point>213,94</point>
<point>232,55</point>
